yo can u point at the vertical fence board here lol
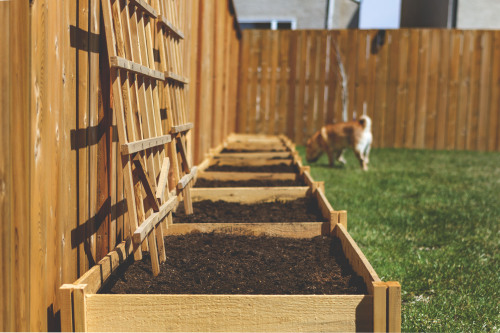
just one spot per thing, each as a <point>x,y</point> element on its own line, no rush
<point>381,85</point>
<point>38,244</point>
<point>422,92</point>
<point>284,77</point>
<point>14,166</point>
<point>218,78</point>
<point>302,72</point>
<point>455,88</point>
<point>52,154</point>
<point>309,111</point>
<point>351,70</point>
<point>402,89</point>
<point>484,91</point>
<point>432,90</point>
<point>442,90</point>
<point>235,56</point>
<point>332,78</point>
<point>320,119</point>
<point>263,89</point>
<point>273,75</point>
<point>205,110</point>
<point>243,95</point>
<point>465,87</point>
<point>256,40</point>
<point>392,88</point>
<point>473,109</point>
<point>6,220</point>
<point>363,54</point>
<point>494,117</point>
<point>292,84</point>
<point>371,85</point>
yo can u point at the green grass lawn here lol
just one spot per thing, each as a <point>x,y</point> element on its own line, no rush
<point>430,220</point>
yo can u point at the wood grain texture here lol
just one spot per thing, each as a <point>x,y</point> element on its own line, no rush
<point>249,195</point>
<point>356,258</point>
<point>215,175</point>
<point>97,275</point>
<point>379,307</point>
<point>443,90</point>
<point>423,88</point>
<point>253,156</point>
<point>38,224</point>
<point>325,207</point>
<point>6,221</point>
<point>236,313</point>
<point>292,230</point>
<point>222,161</point>
<point>393,306</point>
<point>454,88</point>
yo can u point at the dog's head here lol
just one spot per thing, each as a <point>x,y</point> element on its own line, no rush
<point>313,148</point>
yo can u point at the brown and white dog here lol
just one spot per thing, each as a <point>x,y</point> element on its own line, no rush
<point>333,139</point>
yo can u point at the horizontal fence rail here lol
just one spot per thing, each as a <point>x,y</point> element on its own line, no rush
<point>423,88</point>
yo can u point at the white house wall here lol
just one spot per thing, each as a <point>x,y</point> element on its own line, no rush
<point>310,14</point>
<point>478,14</point>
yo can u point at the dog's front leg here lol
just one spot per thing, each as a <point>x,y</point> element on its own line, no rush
<point>330,157</point>
<point>340,156</point>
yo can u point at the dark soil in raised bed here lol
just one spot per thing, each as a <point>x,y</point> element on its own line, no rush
<point>229,151</point>
<point>279,168</point>
<point>248,183</point>
<point>206,211</point>
<point>228,264</point>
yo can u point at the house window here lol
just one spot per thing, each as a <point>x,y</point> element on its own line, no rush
<point>272,24</point>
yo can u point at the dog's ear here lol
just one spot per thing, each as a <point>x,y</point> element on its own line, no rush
<point>362,122</point>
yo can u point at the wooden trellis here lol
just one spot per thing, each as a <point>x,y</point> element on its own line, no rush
<point>130,30</point>
<point>170,44</point>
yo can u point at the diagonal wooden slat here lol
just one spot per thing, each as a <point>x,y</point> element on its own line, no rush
<point>148,184</point>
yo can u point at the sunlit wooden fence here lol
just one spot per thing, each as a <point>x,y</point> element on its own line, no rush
<point>62,203</point>
<point>436,89</point>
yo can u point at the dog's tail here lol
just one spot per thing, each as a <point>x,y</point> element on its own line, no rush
<point>366,122</point>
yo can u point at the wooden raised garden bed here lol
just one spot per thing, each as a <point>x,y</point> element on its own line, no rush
<point>259,168</point>
<point>377,308</point>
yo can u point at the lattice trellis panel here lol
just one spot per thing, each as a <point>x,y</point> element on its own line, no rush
<point>131,28</point>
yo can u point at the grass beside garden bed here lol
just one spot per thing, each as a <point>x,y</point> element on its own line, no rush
<point>430,220</point>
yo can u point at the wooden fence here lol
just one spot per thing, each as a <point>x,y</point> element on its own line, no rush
<point>436,89</point>
<point>60,209</point>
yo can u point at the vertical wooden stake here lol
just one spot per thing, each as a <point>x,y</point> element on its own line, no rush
<point>188,203</point>
<point>79,308</point>
<point>379,306</point>
<point>153,251</point>
<point>160,243</point>
<point>318,185</point>
<point>343,218</point>
<point>66,297</point>
<point>333,221</point>
<point>394,306</point>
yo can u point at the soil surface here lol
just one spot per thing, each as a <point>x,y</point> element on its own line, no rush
<point>206,211</point>
<point>280,168</point>
<point>228,264</point>
<point>248,183</point>
<point>225,150</point>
